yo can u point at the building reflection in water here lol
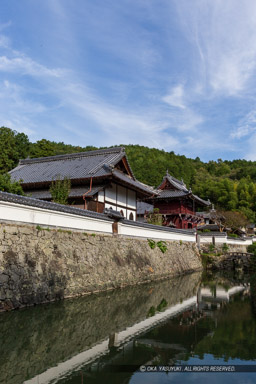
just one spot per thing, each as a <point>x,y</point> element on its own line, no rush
<point>161,323</point>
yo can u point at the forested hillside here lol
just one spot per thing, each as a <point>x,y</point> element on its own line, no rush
<point>230,185</point>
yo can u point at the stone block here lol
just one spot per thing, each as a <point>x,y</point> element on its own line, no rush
<point>26,230</point>
<point>3,278</point>
<point>13,230</point>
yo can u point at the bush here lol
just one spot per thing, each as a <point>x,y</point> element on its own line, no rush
<point>162,246</point>
<point>252,248</point>
<point>225,247</point>
<point>211,247</point>
<point>60,189</point>
<point>152,243</point>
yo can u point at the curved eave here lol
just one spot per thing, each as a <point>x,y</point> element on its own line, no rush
<point>143,192</point>
<point>181,197</point>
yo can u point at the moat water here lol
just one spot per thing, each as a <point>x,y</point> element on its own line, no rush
<point>194,321</point>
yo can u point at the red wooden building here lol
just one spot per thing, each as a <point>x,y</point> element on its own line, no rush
<point>177,204</point>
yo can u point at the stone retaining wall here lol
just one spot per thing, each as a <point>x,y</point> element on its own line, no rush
<point>219,247</point>
<point>39,266</point>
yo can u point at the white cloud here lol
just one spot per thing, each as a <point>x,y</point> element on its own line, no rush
<point>176,97</point>
<point>251,145</point>
<point>118,125</point>
<point>181,116</point>
<point>25,65</point>
<point>246,126</point>
<point>132,77</point>
<point>4,41</point>
<point>224,34</point>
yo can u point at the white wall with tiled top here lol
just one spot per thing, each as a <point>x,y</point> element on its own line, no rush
<point>120,199</point>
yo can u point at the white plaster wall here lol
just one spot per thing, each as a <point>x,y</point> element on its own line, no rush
<point>129,230</point>
<point>131,199</point>
<point>108,205</point>
<point>101,196</point>
<point>208,239</point>
<point>224,239</point>
<point>110,194</point>
<point>121,195</point>
<point>239,242</point>
<point>32,215</point>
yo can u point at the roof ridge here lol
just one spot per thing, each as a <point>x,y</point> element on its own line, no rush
<point>72,155</point>
<point>177,182</point>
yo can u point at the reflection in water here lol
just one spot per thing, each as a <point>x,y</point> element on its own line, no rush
<point>163,323</point>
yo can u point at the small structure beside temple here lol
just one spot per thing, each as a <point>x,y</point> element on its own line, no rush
<point>101,179</point>
<point>177,204</point>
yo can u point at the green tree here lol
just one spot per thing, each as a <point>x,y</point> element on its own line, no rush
<point>42,148</point>
<point>13,147</point>
<point>60,189</point>
<point>6,185</point>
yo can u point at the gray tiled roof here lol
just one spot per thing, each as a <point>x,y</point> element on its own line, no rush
<point>83,165</point>
<point>204,202</point>
<point>158,227</point>
<point>215,234</point>
<point>135,183</point>
<point>180,190</point>
<point>170,193</point>
<point>74,192</point>
<point>178,184</point>
<point>29,201</point>
<point>143,207</point>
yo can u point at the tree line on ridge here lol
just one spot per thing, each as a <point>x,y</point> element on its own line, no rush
<point>230,185</point>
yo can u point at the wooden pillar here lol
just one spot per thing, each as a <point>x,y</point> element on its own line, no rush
<point>115,228</point>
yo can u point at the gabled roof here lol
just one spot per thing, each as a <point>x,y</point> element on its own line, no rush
<point>178,190</point>
<point>175,183</point>
<point>82,165</point>
<point>78,167</point>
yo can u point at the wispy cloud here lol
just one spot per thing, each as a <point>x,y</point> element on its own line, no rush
<point>246,126</point>
<point>26,66</point>
<point>108,73</point>
<point>224,34</point>
<point>176,97</point>
<point>250,148</point>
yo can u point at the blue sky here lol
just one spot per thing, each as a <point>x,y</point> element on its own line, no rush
<point>175,75</point>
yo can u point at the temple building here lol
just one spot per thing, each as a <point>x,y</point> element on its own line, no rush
<point>177,204</point>
<point>99,179</point>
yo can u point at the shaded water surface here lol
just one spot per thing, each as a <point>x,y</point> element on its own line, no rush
<point>106,337</point>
